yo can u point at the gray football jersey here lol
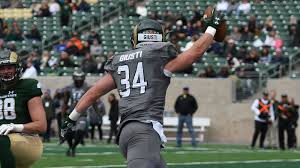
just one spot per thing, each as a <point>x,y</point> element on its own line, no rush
<point>75,94</point>
<point>141,82</point>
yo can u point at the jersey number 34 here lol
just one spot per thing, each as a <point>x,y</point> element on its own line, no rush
<point>7,109</point>
<point>138,79</point>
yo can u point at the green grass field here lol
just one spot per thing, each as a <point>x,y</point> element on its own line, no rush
<point>203,156</point>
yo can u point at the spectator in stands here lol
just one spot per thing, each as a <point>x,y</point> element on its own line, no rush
<point>61,46</point>
<point>252,24</point>
<point>224,72</point>
<point>74,45</point>
<point>92,36</point>
<point>44,10</point>
<point>174,41</point>
<point>185,106</point>
<point>209,72</point>
<point>65,60</point>
<point>100,64</point>
<point>293,31</point>
<point>222,6</point>
<point>45,59</point>
<point>16,4</point>
<point>278,58</point>
<point>5,4</point>
<point>229,48</point>
<point>34,33</point>
<point>50,113</point>
<point>257,42</point>
<point>95,119</point>
<point>73,5</point>
<point>244,7</point>
<point>169,18</point>
<point>270,39</point>
<point>216,48</point>
<point>190,43</point>
<point>35,59</point>
<point>245,34</point>
<point>30,71</point>
<point>196,15</point>
<point>83,6</point>
<point>191,31</point>
<point>65,13</point>
<point>179,31</point>
<point>278,43</point>
<point>265,57</point>
<point>15,33</point>
<point>268,25</point>
<point>264,114</point>
<point>89,64</point>
<point>232,7</point>
<point>232,61</point>
<point>54,7</point>
<point>252,57</point>
<point>235,34</point>
<point>96,49</point>
<point>11,46</point>
<point>113,116</point>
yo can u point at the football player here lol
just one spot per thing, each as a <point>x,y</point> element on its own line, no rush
<point>142,76</point>
<point>22,116</point>
<point>72,94</point>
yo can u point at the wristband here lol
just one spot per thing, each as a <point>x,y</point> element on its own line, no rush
<point>18,127</point>
<point>74,115</point>
<point>210,30</point>
<point>168,73</point>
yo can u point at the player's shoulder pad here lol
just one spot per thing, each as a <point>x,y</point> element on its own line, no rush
<point>29,83</point>
<point>170,49</point>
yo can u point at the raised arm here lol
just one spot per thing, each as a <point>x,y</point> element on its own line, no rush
<point>191,55</point>
<point>187,58</point>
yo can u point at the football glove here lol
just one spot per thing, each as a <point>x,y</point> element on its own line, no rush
<point>215,19</point>
<point>7,128</point>
<point>67,127</point>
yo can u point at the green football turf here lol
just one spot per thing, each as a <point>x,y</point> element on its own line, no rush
<point>203,156</point>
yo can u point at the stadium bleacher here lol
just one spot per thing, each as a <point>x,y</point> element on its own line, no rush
<point>115,36</point>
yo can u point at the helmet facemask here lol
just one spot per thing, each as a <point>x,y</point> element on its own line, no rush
<point>10,70</point>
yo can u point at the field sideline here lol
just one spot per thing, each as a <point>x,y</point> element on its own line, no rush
<point>205,155</point>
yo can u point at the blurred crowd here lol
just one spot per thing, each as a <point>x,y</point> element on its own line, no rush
<point>254,41</point>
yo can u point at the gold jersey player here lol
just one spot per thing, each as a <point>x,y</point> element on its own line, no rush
<point>142,76</point>
<point>22,116</point>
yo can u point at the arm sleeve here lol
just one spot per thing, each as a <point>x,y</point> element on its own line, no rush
<point>34,88</point>
<point>254,107</point>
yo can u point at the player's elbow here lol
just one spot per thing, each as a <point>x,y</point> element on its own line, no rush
<point>42,128</point>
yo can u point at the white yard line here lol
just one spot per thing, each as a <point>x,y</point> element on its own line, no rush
<point>192,163</point>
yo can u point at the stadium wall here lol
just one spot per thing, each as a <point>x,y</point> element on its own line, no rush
<point>230,122</point>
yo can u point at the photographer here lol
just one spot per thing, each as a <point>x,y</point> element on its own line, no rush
<point>286,122</point>
<point>264,115</point>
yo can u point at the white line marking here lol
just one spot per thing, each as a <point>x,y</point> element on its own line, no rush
<point>192,163</point>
